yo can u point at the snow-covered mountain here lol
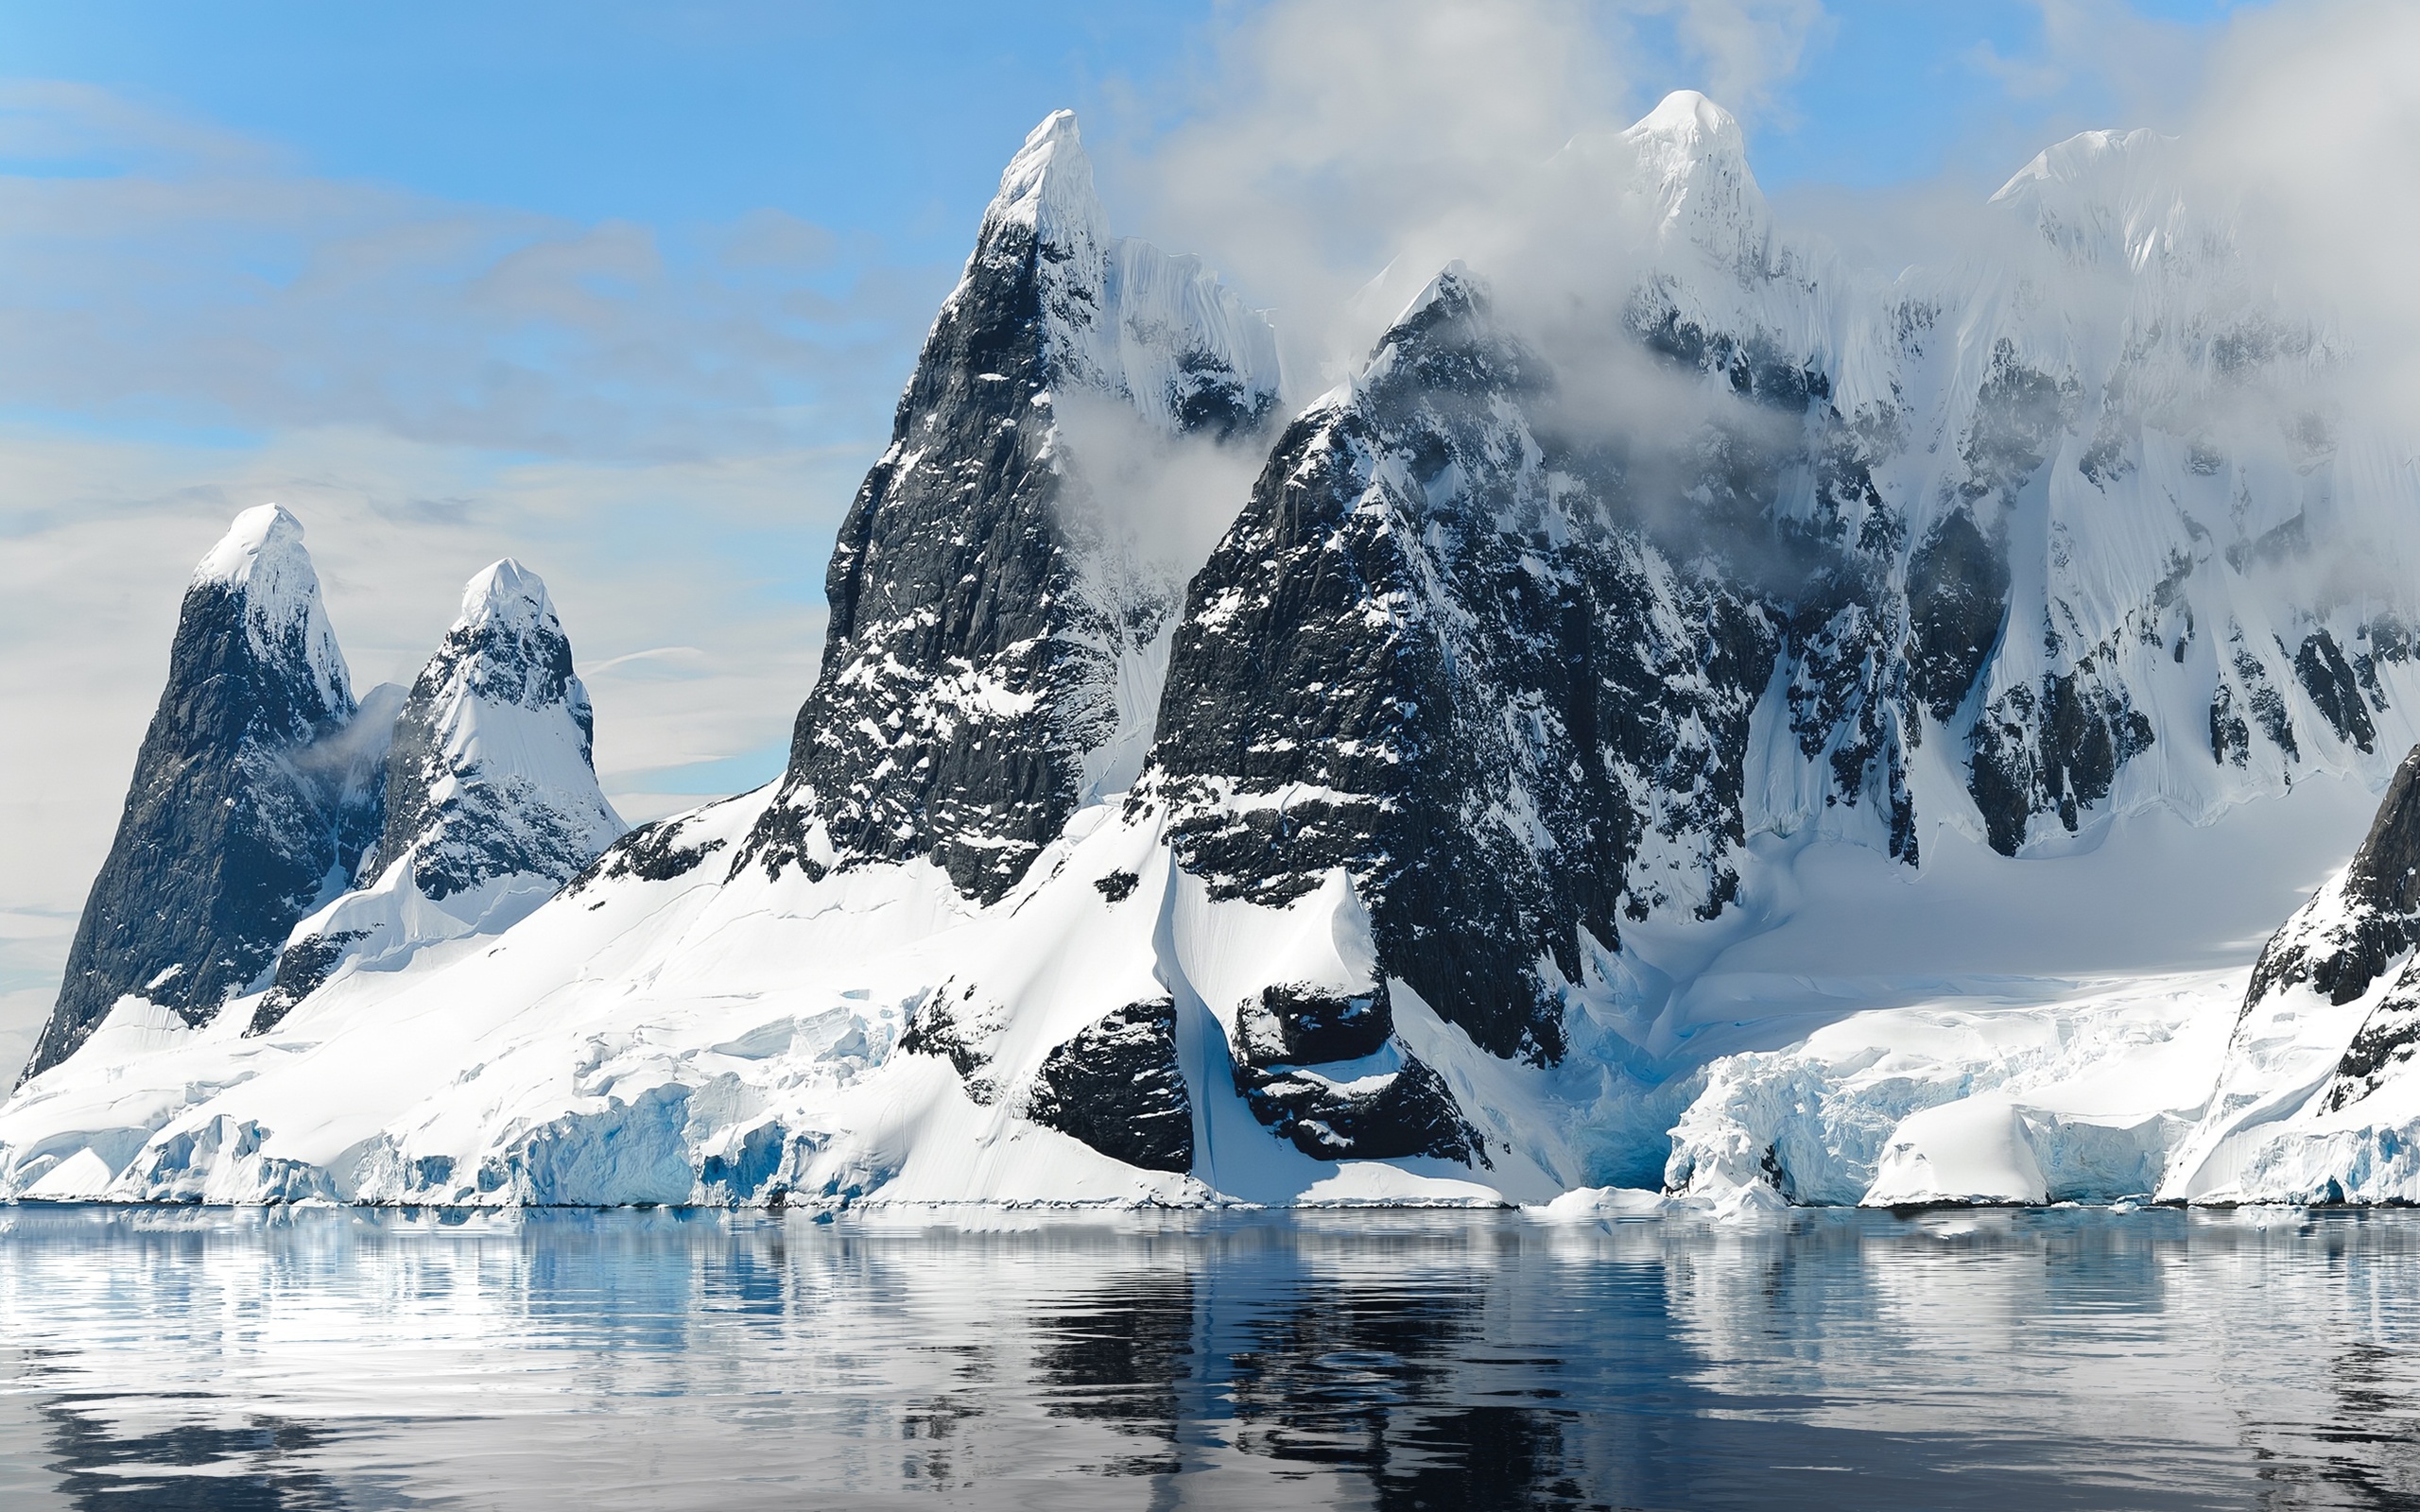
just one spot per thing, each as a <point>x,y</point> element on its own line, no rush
<point>490,796</point>
<point>2317,1100</point>
<point>1804,736</point>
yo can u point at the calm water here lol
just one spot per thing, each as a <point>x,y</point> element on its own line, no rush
<point>156,1358</point>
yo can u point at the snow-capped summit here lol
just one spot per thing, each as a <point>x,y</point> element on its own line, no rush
<point>491,800</point>
<point>1048,189</point>
<point>1694,182</point>
<point>491,770</point>
<point>2117,199</point>
<point>261,557</point>
<point>1119,315</point>
<point>506,594</point>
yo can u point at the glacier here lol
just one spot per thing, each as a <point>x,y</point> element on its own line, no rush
<point>1803,736</point>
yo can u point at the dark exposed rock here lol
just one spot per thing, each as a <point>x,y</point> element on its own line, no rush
<point>953,1022</point>
<point>1324,1070</point>
<point>490,779</point>
<point>967,652</point>
<point>2230,737</point>
<point>2335,689</point>
<point>652,852</point>
<point>465,822</point>
<point>1116,1087</point>
<point>1388,1116</point>
<point>2388,1039</point>
<point>1118,886</point>
<point>248,804</point>
<point>301,971</point>
<point>1463,646</point>
<point>1295,1023</point>
<point>2348,935</point>
<point>2019,416</point>
<point>2055,748</point>
<point>1406,659</point>
<point>2267,704</point>
<point>1958,584</point>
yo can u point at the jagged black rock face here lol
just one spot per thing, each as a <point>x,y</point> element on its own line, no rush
<point>2353,933</point>
<point>237,822</point>
<point>959,691</point>
<point>2052,747</point>
<point>959,1026</point>
<point>2377,915</point>
<point>951,569</point>
<point>2387,1041</point>
<point>1292,1023</point>
<point>301,971</point>
<point>2336,689</point>
<point>491,825</point>
<point>1117,1086</point>
<point>1296,1049</point>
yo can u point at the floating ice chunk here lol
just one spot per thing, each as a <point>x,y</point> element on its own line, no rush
<point>1974,1150</point>
<point>1593,1204</point>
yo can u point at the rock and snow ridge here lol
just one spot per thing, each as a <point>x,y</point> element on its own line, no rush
<point>2317,1101</point>
<point>1503,757</point>
<point>491,795</point>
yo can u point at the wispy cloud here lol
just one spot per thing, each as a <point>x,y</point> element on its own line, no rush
<point>1322,140</point>
<point>158,269</point>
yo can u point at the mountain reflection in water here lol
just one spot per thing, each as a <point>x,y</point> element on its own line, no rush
<point>332,1358</point>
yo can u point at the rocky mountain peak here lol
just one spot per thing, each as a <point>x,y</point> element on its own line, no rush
<point>2385,871</point>
<point>2111,198</point>
<point>243,813</point>
<point>491,770</point>
<point>506,594</point>
<point>989,634</point>
<point>1693,183</point>
<point>2356,926</point>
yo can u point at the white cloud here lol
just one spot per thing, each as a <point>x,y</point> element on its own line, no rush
<point>1328,138</point>
<point>2311,113</point>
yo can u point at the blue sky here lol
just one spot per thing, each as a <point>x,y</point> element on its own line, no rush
<point>852,147</point>
<point>891,120</point>
<point>628,290</point>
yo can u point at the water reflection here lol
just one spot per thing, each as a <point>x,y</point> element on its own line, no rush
<point>155,1358</point>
